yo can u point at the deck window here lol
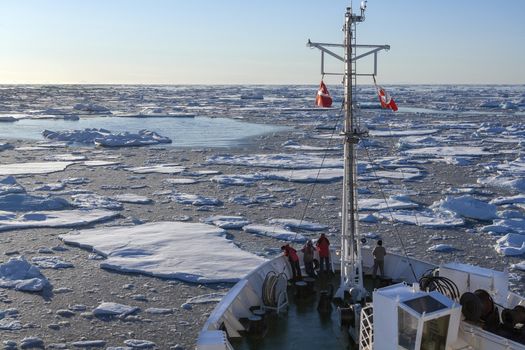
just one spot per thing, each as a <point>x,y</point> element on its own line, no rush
<point>407,330</point>
<point>435,333</point>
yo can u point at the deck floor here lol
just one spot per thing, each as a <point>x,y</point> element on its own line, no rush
<point>302,326</point>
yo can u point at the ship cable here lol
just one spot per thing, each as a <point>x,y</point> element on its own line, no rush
<point>389,209</point>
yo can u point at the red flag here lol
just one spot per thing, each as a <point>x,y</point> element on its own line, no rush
<point>323,98</point>
<point>385,99</point>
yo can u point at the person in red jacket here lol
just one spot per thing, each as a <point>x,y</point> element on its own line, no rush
<point>293,259</point>
<point>323,248</point>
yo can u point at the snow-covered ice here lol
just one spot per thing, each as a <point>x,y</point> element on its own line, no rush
<point>299,224</point>
<point>226,222</point>
<point>274,231</point>
<point>468,207</point>
<point>19,274</point>
<point>169,250</point>
<point>33,168</point>
<point>511,244</point>
<point>160,168</point>
<point>282,160</point>
<point>114,309</point>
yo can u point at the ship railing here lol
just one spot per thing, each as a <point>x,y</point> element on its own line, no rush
<point>366,334</point>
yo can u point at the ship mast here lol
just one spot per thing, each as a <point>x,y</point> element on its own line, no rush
<point>350,254</point>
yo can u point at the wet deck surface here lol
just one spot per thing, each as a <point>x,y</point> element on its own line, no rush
<point>302,326</point>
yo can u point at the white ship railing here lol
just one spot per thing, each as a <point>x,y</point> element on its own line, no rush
<point>366,334</point>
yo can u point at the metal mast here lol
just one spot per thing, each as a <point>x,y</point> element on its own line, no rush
<point>351,269</point>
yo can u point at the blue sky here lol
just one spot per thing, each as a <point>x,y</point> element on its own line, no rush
<point>255,41</point>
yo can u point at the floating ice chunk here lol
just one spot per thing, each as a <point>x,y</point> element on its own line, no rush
<point>140,344</point>
<point>507,182</point>
<point>468,207</point>
<point>19,274</point>
<point>416,142</point>
<point>307,175</point>
<point>247,200</point>
<point>33,168</point>
<point>425,218</point>
<point>406,174</point>
<point>50,262</point>
<point>26,202</point>
<point>132,198</point>
<point>10,325</point>
<point>520,198</point>
<point>227,222</point>
<point>194,199</point>
<point>93,163</point>
<point>91,107</point>
<point>160,168</point>
<point>511,244</point>
<point>509,225</point>
<point>518,266</point>
<point>308,148</point>
<point>95,201</point>
<point>158,311</point>
<point>9,185</point>
<point>238,180</point>
<point>299,224</point>
<point>274,231</point>
<point>394,202</point>
<point>206,298</point>
<point>181,181</point>
<point>76,181</point>
<point>443,248</point>
<point>106,138</point>
<point>88,344</point>
<point>62,218</point>
<point>169,250</point>
<point>65,157</point>
<point>397,133</point>
<point>446,151</point>
<point>282,160</point>
<point>369,218</point>
<point>56,186</point>
<point>114,309</point>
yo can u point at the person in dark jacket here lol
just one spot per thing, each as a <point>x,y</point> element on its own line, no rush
<point>308,258</point>
<point>293,258</point>
<point>379,253</point>
<point>323,247</point>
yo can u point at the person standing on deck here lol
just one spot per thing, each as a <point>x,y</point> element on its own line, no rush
<point>379,253</point>
<point>294,261</point>
<point>323,247</point>
<point>308,258</point>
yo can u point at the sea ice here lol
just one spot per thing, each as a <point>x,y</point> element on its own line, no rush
<point>274,231</point>
<point>227,222</point>
<point>103,137</point>
<point>398,133</point>
<point>56,186</point>
<point>394,202</point>
<point>132,198</point>
<point>169,250</point>
<point>468,207</point>
<point>9,185</point>
<point>50,262</point>
<point>299,224</point>
<point>511,244</point>
<point>424,218</point>
<point>508,225</point>
<point>181,181</point>
<point>61,218</point>
<point>206,298</point>
<point>26,202</point>
<point>194,199</point>
<point>443,248</point>
<point>306,175</point>
<point>160,168</point>
<point>114,309</point>
<point>33,168</point>
<point>282,160</point>
<point>446,151</point>
<point>95,201</point>
<point>237,180</point>
<point>19,274</point>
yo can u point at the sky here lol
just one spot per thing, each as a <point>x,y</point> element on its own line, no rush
<point>256,41</point>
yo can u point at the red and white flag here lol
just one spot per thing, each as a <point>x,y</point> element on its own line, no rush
<point>323,98</point>
<point>385,99</point>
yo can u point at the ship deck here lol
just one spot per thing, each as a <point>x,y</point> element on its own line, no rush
<point>302,326</point>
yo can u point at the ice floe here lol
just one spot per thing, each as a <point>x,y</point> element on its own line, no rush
<point>511,244</point>
<point>50,262</point>
<point>95,201</point>
<point>60,218</point>
<point>114,309</point>
<point>237,180</point>
<point>132,198</point>
<point>9,185</point>
<point>282,160</point>
<point>307,175</point>
<point>299,224</point>
<point>194,199</point>
<point>160,168</point>
<point>103,137</point>
<point>274,231</point>
<point>468,207</point>
<point>393,202</point>
<point>425,218</point>
<point>169,250</point>
<point>227,222</point>
<point>26,202</point>
<point>19,274</point>
<point>33,168</point>
<point>507,225</point>
<point>446,151</point>
<point>442,248</point>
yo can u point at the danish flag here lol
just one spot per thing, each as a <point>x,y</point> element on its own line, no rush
<point>323,98</point>
<point>384,98</point>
